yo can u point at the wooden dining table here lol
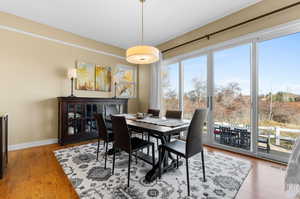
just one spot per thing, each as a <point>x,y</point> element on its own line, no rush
<point>163,133</point>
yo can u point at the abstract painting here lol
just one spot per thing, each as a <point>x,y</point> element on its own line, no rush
<point>125,74</point>
<point>103,78</point>
<point>125,77</point>
<point>126,90</point>
<point>85,76</point>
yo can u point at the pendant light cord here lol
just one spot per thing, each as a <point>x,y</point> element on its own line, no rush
<point>142,42</point>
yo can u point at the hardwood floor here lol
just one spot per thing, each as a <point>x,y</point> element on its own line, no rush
<point>35,173</point>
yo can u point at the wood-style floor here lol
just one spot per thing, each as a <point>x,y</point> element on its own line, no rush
<point>35,173</point>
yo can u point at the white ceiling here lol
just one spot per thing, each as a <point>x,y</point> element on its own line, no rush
<point>116,22</point>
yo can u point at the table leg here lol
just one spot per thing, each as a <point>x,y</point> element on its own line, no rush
<point>154,172</point>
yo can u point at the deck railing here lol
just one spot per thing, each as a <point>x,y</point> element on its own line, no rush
<point>277,131</point>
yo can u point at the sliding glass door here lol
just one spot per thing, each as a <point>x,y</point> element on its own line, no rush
<point>232,97</point>
<point>194,85</point>
<point>170,88</point>
<point>251,91</point>
<point>279,96</point>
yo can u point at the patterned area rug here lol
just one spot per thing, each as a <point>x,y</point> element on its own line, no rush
<point>225,175</point>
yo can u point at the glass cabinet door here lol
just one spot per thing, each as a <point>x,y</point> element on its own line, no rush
<point>74,115</point>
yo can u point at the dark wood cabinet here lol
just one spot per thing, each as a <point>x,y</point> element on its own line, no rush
<point>3,140</point>
<point>76,116</point>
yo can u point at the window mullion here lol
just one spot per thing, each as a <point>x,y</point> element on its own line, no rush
<point>181,86</point>
<point>254,94</point>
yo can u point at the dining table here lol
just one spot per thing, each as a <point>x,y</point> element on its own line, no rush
<point>162,129</point>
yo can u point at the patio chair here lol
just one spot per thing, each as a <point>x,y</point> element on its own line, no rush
<point>264,140</point>
<point>225,135</point>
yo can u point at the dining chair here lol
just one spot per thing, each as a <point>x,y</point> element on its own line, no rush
<point>109,111</point>
<point>124,141</point>
<point>189,148</point>
<point>154,112</point>
<point>103,134</point>
<point>174,114</point>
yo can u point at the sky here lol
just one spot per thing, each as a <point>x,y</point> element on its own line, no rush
<point>279,67</point>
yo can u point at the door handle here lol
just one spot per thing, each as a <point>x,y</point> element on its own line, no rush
<point>209,103</point>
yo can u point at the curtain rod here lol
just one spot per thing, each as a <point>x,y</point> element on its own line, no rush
<point>231,27</point>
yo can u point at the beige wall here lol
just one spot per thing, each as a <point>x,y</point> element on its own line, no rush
<point>33,74</point>
<point>244,14</point>
<point>144,87</point>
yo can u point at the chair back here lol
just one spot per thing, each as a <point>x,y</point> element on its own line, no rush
<point>194,136</point>
<point>173,114</point>
<point>121,133</point>
<point>154,112</point>
<point>101,127</point>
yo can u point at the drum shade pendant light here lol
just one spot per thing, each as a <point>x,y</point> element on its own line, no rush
<point>142,54</point>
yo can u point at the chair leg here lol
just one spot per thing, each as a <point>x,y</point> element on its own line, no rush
<point>153,155</point>
<point>136,158</point>
<point>129,162</point>
<point>106,149</point>
<point>187,175</point>
<point>159,161</point>
<point>98,148</point>
<point>203,166</point>
<point>148,150</point>
<point>177,162</point>
<point>114,159</point>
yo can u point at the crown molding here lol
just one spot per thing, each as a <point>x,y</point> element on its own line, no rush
<point>60,41</point>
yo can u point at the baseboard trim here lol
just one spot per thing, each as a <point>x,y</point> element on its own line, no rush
<point>31,144</point>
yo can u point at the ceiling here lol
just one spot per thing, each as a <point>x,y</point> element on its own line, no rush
<point>116,22</point>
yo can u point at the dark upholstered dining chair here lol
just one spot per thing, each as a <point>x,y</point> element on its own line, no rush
<point>191,147</point>
<point>154,112</point>
<point>103,134</point>
<point>109,111</point>
<point>174,114</point>
<point>124,141</point>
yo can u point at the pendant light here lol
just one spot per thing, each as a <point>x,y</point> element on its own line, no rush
<point>142,54</point>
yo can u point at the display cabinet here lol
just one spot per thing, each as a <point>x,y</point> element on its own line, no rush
<point>76,120</point>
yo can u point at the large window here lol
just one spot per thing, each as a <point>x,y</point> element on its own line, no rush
<point>170,87</point>
<point>251,89</point>
<point>279,93</point>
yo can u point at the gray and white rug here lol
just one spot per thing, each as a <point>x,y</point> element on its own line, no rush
<point>225,175</point>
